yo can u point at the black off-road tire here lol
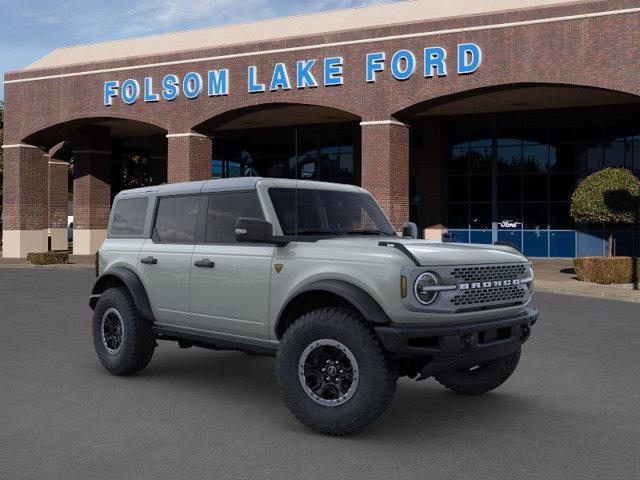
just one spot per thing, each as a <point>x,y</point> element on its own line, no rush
<point>138,340</point>
<point>377,376</point>
<point>482,379</point>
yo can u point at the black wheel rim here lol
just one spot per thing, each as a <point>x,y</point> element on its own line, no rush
<point>328,372</point>
<point>112,331</point>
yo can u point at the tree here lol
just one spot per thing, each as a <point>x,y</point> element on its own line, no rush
<point>611,195</point>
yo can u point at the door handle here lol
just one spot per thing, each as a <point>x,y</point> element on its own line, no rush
<point>204,263</point>
<point>149,260</point>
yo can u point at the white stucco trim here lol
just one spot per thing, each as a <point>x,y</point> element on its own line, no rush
<point>477,28</point>
<point>17,243</point>
<point>20,145</point>
<point>59,240</point>
<point>190,134</point>
<point>383,122</point>
<point>87,242</point>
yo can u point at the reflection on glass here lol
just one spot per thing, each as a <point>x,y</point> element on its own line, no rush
<point>480,160</point>
<point>535,158</point>
<point>480,216</point>
<point>618,154</point>
<point>539,158</point>
<point>459,161</point>
<point>325,152</point>
<point>509,159</point>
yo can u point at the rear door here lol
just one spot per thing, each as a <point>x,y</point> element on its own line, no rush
<point>230,281</point>
<point>164,263</point>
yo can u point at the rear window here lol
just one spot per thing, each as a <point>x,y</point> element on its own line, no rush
<point>176,219</point>
<point>129,216</point>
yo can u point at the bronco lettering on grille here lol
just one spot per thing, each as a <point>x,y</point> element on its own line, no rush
<point>493,283</point>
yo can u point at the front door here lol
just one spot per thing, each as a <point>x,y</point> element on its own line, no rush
<point>164,263</point>
<point>230,281</point>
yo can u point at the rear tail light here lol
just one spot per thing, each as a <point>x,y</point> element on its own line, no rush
<point>96,265</point>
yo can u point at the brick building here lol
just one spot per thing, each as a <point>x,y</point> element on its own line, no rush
<point>476,118</point>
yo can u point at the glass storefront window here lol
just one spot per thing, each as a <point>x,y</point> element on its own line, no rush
<point>480,218</point>
<point>535,158</point>
<point>535,187</point>
<point>481,188</point>
<point>535,216</point>
<point>458,189</point>
<point>459,161</point>
<point>325,152</point>
<point>480,159</point>
<point>510,159</point>
<point>539,158</point>
<point>509,187</point>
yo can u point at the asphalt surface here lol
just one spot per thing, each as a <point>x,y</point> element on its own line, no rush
<point>571,410</point>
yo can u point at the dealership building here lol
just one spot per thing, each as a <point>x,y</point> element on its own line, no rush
<point>472,118</point>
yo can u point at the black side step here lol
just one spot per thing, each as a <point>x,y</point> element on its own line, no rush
<point>186,340</point>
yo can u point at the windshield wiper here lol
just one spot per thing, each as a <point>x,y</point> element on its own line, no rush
<point>368,232</point>
<point>319,231</point>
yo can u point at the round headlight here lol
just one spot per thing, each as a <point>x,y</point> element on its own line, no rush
<point>422,288</point>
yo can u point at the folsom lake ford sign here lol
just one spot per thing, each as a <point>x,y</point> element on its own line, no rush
<point>308,73</point>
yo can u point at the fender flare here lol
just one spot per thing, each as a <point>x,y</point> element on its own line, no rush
<point>132,282</point>
<point>370,310</point>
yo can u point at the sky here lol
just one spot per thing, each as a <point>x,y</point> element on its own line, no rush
<point>29,29</point>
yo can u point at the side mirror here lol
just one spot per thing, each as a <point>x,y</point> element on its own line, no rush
<point>254,230</point>
<point>409,230</point>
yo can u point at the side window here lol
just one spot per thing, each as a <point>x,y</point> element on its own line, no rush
<point>129,216</point>
<point>224,209</point>
<point>176,219</point>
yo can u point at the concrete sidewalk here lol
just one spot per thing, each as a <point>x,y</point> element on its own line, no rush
<point>75,261</point>
<point>558,276</point>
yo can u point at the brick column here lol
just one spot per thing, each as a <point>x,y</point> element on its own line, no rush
<point>189,157</point>
<point>91,187</point>
<point>385,167</point>
<point>58,190</point>
<point>91,199</point>
<point>159,159</point>
<point>25,201</point>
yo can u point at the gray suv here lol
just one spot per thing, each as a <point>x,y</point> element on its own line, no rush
<point>314,274</point>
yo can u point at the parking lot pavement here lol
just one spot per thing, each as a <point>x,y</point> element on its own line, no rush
<point>569,411</point>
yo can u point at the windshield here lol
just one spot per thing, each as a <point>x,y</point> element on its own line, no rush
<point>328,212</point>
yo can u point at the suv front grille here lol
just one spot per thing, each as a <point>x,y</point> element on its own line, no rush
<point>490,295</point>
<point>482,273</point>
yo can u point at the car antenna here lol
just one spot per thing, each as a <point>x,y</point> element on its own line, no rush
<point>295,194</point>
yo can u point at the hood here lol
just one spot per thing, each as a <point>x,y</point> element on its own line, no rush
<point>430,252</point>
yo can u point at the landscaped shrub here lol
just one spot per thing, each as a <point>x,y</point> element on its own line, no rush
<point>611,195</point>
<point>48,258</point>
<point>606,270</point>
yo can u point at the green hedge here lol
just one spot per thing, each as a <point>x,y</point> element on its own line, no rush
<point>611,195</point>
<point>48,258</point>
<point>607,270</point>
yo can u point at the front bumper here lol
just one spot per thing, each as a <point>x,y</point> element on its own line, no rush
<point>451,346</point>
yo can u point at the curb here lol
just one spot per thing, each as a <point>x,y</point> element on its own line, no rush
<point>553,287</point>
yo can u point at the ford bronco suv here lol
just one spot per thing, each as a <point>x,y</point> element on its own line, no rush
<point>314,274</point>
